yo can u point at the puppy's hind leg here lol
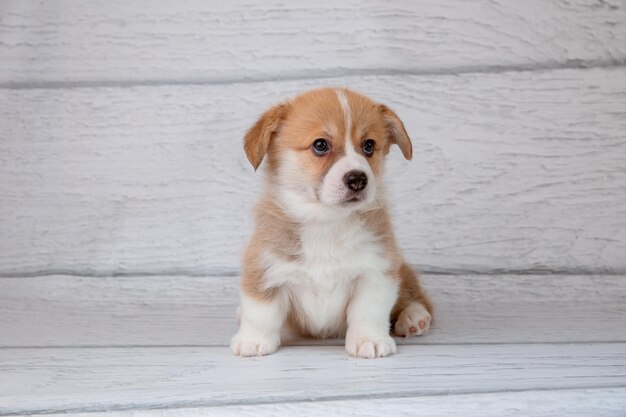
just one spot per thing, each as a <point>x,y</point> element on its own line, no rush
<point>412,313</point>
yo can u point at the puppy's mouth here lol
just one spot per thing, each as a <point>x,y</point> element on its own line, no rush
<point>352,199</point>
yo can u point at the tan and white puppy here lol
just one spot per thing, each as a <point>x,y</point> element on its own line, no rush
<point>323,258</point>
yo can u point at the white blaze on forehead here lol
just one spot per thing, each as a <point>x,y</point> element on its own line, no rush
<point>347,116</point>
<point>354,158</point>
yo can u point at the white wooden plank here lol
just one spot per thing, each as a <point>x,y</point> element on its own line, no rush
<point>511,171</point>
<point>55,380</point>
<point>607,402</point>
<point>198,311</point>
<point>139,41</point>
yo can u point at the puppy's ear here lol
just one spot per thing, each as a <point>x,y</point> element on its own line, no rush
<point>257,139</point>
<point>396,131</point>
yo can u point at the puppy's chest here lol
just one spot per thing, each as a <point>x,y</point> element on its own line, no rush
<point>333,254</point>
<point>320,282</point>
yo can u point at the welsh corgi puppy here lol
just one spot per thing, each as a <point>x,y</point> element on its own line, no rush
<point>323,258</point>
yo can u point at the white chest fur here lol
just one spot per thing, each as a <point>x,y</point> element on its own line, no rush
<point>320,282</point>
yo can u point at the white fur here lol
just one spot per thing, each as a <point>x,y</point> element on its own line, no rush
<point>334,191</point>
<point>259,326</point>
<point>368,316</point>
<point>300,199</point>
<point>347,114</point>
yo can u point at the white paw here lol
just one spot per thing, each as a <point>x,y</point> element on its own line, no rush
<point>248,345</point>
<point>413,321</point>
<point>370,347</point>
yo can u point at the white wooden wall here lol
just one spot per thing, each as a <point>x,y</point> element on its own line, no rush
<point>121,126</point>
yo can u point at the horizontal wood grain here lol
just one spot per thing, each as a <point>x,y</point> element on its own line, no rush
<point>49,380</point>
<point>200,311</point>
<point>522,170</point>
<point>208,41</point>
<point>101,345</point>
<point>606,402</point>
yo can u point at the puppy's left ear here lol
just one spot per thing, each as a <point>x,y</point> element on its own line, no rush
<point>396,131</point>
<point>257,139</point>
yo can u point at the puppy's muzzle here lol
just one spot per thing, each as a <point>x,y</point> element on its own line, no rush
<point>355,180</point>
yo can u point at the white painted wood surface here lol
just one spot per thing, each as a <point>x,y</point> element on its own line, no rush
<point>609,402</point>
<point>521,170</point>
<point>200,311</point>
<point>78,344</point>
<point>54,380</point>
<point>208,41</point>
<point>486,351</point>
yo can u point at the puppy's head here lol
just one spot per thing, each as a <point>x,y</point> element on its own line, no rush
<point>326,148</point>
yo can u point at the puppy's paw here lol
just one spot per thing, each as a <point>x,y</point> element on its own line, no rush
<point>370,347</point>
<point>413,321</point>
<point>248,345</point>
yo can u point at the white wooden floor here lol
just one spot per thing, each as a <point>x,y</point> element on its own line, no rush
<point>157,345</point>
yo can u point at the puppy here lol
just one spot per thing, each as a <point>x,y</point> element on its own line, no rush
<point>323,258</point>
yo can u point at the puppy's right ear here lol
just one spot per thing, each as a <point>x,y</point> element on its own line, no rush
<point>257,140</point>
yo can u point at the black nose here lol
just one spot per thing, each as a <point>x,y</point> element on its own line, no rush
<point>355,180</point>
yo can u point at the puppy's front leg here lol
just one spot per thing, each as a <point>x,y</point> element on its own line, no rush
<point>260,325</point>
<point>368,316</point>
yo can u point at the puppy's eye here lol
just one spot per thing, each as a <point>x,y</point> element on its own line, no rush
<point>368,147</point>
<point>320,147</point>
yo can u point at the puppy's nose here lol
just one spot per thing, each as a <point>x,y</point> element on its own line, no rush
<point>355,180</point>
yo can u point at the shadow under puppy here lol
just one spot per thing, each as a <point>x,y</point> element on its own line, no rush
<point>323,258</point>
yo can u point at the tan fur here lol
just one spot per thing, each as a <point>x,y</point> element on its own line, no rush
<point>292,127</point>
<point>397,131</point>
<point>275,232</point>
<point>257,139</point>
<point>410,290</point>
